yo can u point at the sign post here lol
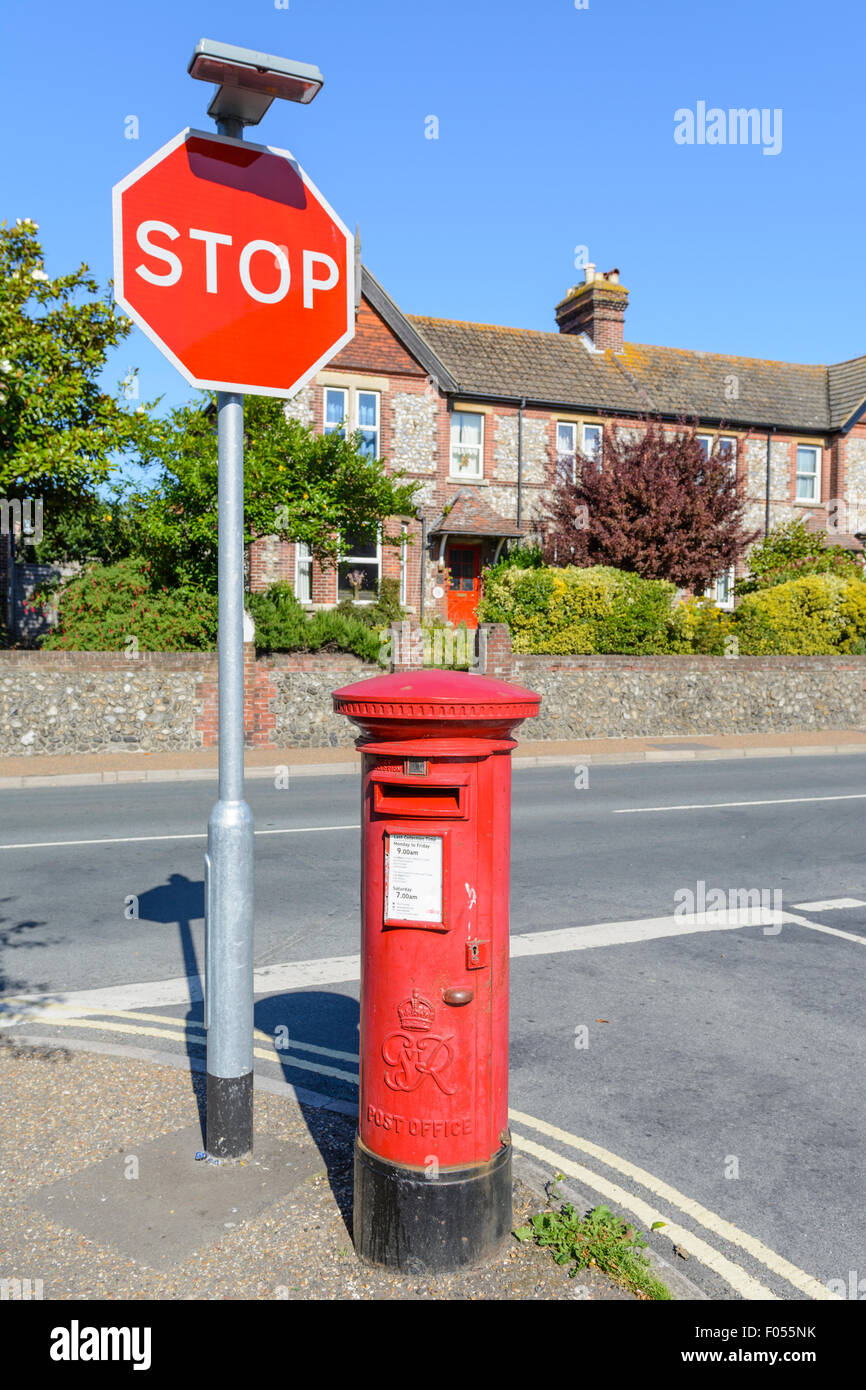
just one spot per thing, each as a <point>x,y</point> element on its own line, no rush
<point>231,261</point>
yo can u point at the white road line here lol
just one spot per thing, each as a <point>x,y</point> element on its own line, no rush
<point>144,839</point>
<point>829,905</point>
<point>737,1279</point>
<point>329,970</point>
<point>720,805</point>
<point>777,1264</point>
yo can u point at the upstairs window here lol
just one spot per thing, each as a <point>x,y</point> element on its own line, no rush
<point>566,451</point>
<point>336,411</point>
<point>808,473</point>
<point>467,440</point>
<point>348,410</point>
<point>593,436</point>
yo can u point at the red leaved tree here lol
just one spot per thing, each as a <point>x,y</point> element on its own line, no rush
<point>655,506</point>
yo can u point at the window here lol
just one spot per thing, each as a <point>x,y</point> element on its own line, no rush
<point>367,406</point>
<point>353,410</point>
<point>566,447</point>
<point>728,450</point>
<point>722,591</point>
<point>336,411</point>
<point>303,572</point>
<point>467,437</point>
<point>808,473</point>
<point>592,442</point>
<point>705,441</point>
<point>358,570</point>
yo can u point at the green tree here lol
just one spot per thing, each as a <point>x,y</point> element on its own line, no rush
<point>59,430</point>
<point>297,485</point>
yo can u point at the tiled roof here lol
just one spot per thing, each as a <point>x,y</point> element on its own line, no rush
<point>847,389</point>
<point>468,514</point>
<point>561,369</point>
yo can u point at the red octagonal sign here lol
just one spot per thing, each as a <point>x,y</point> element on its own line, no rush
<point>233,264</point>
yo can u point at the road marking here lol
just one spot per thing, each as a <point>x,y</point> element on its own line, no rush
<point>329,970</point>
<point>777,1264</point>
<point>294,1044</point>
<point>719,805</point>
<point>738,1279</point>
<point>144,839</point>
<point>273,1055</point>
<point>829,905</point>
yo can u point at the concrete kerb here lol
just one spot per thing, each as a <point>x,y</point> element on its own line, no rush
<point>656,755</point>
<point>526,1169</point>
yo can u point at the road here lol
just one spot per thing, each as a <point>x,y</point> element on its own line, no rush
<point>708,1077</point>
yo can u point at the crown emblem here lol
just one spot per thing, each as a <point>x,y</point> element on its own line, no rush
<point>416,1014</point>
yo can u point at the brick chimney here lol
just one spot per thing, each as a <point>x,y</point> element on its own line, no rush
<point>596,308</point>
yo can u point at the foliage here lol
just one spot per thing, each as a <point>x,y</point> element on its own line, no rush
<point>656,508</point>
<point>58,429</point>
<point>815,615</point>
<point>524,557</point>
<point>598,609</point>
<point>599,1239</point>
<point>703,628</point>
<point>297,485</point>
<point>282,625</point>
<point>381,614</point>
<point>107,606</point>
<point>789,551</point>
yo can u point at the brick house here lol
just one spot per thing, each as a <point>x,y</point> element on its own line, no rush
<point>482,416</point>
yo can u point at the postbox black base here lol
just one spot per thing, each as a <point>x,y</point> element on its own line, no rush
<point>423,1225</point>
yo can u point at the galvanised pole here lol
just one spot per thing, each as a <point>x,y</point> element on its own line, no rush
<point>229,861</point>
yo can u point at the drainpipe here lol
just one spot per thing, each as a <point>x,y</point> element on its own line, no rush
<point>423,568</point>
<point>770,433</point>
<point>520,410</point>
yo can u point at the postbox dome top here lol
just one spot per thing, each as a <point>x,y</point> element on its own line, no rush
<point>425,700</point>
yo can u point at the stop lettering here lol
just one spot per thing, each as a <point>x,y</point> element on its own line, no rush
<point>233,263</point>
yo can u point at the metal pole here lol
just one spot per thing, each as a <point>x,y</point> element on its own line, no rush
<point>229,859</point>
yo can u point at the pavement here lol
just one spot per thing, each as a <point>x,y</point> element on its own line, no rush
<point>88,769</point>
<point>102,1197</point>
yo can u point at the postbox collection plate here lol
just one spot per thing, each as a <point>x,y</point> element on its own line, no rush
<point>414,873</point>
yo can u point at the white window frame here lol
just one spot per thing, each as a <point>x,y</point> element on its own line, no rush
<point>713,591</point>
<point>362,560</point>
<point>708,440</point>
<point>600,447</point>
<point>341,428</point>
<point>303,557</point>
<point>566,460</point>
<point>815,477</point>
<point>478,448</point>
<point>350,421</point>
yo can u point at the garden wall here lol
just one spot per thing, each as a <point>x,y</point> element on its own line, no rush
<point>92,702</point>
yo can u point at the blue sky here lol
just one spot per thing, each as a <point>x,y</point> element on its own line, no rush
<point>556,131</point>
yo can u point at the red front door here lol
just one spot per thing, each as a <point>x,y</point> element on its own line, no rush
<point>463,563</point>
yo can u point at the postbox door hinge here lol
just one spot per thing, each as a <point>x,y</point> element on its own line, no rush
<point>477,954</point>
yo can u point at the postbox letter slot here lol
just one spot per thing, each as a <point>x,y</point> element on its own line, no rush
<point>406,799</point>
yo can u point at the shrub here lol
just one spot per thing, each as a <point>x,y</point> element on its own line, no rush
<point>789,552</point>
<point>577,610</point>
<point>815,615</point>
<point>282,625</point>
<point>106,606</point>
<point>381,614</point>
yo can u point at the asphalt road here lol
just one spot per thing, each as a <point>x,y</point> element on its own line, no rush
<point>725,1064</point>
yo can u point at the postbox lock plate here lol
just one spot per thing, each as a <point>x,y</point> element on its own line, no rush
<point>477,955</point>
<point>417,767</point>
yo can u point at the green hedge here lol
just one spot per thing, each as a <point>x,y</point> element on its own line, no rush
<point>595,609</point>
<point>282,625</point>
<point>107,606</point>
<point>601,610</point>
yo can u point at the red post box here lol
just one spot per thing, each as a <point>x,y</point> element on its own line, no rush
<point>433,1151</point>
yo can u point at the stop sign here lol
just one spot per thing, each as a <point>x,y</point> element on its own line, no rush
<point>233,264</point>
